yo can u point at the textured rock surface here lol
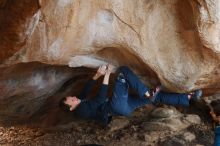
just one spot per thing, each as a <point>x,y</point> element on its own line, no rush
<point>31,91</point>
<point>169,119</point>
<point>176,40</point>
<point>17,23</point>
<point>118,123</point>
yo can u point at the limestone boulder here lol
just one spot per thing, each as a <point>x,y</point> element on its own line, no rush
<point>174,42</point>
<point>169,119</point>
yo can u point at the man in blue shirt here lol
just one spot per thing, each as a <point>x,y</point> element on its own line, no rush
<point>121,103</point>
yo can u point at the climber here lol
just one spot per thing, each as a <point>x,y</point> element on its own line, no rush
<point>122,103</point>
<point>215,114</point>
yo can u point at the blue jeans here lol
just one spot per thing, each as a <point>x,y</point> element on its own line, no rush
<point>121,102</point>
<point>172,98</point>
<point>124,104</point>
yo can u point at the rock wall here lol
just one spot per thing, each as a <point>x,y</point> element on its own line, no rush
<point>36,89</point>
<point>173,42</point>
<point>178,40</point>
<point>17,23</point>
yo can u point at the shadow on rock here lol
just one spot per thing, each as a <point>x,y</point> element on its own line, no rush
<point>25,89</point>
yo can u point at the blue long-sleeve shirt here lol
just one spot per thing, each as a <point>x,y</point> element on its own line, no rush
<point>93,108</point>
<point>217,136</point>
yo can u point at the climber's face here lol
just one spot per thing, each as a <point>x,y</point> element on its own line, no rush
<point>72,102</point>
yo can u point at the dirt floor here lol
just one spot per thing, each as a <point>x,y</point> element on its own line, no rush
<point>123,132</point>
